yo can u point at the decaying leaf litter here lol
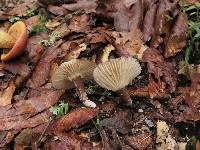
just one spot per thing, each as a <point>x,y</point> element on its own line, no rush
<point>135,62</point>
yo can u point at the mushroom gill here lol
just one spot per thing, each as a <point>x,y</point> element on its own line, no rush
<point>116,74</point>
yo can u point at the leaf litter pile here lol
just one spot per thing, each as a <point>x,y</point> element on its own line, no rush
<point>100,74</point>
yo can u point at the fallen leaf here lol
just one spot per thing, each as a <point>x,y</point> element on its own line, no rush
<point>21,123</point>
<point>17,68</point>
<point>56,10</point>
<point>73,50</point>
<point>63,30</point>
<point>6,137</point>
<point>138,12</point>
<point>162,23</point>
<point>152,90</point>
<point>148,25</point>
<point>140,142</point>
<point>41,72</point>
<point>32,105</point>
<point>24,137</point>
<point>54,2</point>
<point>68,141</point>
<point>80,23</point>
<point>32,21</point>
<point>128,43</point>
<point>73,119</point>
<point>21,9</point>
<point>119,122</point>
<point>88,6</point>
<point>177,39</point>
<point>163,71</point>
<point>34,48</point>
<point>7,94</point>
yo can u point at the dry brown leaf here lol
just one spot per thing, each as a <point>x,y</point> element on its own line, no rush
<point>32,106</point>
<point>32,21</point>
<point>40,74</point>
<point>140,142</point>
<point>73,119</point>
<point>152,90</point>
<point>177,39</point>
<point>130,42</point>
<point>7,94</point>
<point>163,71</point>
<point>21,123</point>
<point>62,30</point>
<point>68,141</point>
<point>56,10</point>
<point>74,50</point>
<point>17,68</point>
<point>148,25</point>
<point>137,12</point>
<point>80,23</point>
<point>24,137</point>
<point>21,9</point>
<point>88,6</point>
<point>33,48</point>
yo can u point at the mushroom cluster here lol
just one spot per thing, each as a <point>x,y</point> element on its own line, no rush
<point>114,75</point>
<point>16,39</point>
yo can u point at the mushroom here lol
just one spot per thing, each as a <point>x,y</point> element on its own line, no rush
<point>19,32</point>
<point>72,73</point>
<point>116,74</point>
<point>6,40</point>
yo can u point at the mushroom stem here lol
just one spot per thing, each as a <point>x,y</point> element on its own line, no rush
<point>124,95</point>
<point>80,89</point>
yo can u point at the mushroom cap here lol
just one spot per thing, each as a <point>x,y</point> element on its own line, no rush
<point>116,73</point>
<point>19,32</point>
<point>70,70</point>
<point>6,40</point>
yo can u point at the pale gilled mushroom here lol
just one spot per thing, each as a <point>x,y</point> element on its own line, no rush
<point>72,73</point>
<point>116,74</point>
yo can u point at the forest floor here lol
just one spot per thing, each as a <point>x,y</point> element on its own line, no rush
<point>36,37</point>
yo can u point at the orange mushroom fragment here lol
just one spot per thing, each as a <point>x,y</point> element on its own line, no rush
<point>19,32</point>
<point>6,40</point>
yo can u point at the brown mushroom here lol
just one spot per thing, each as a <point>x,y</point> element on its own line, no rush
<point>72,73</point>
<point>116,74</point>
<point>19,32</point>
